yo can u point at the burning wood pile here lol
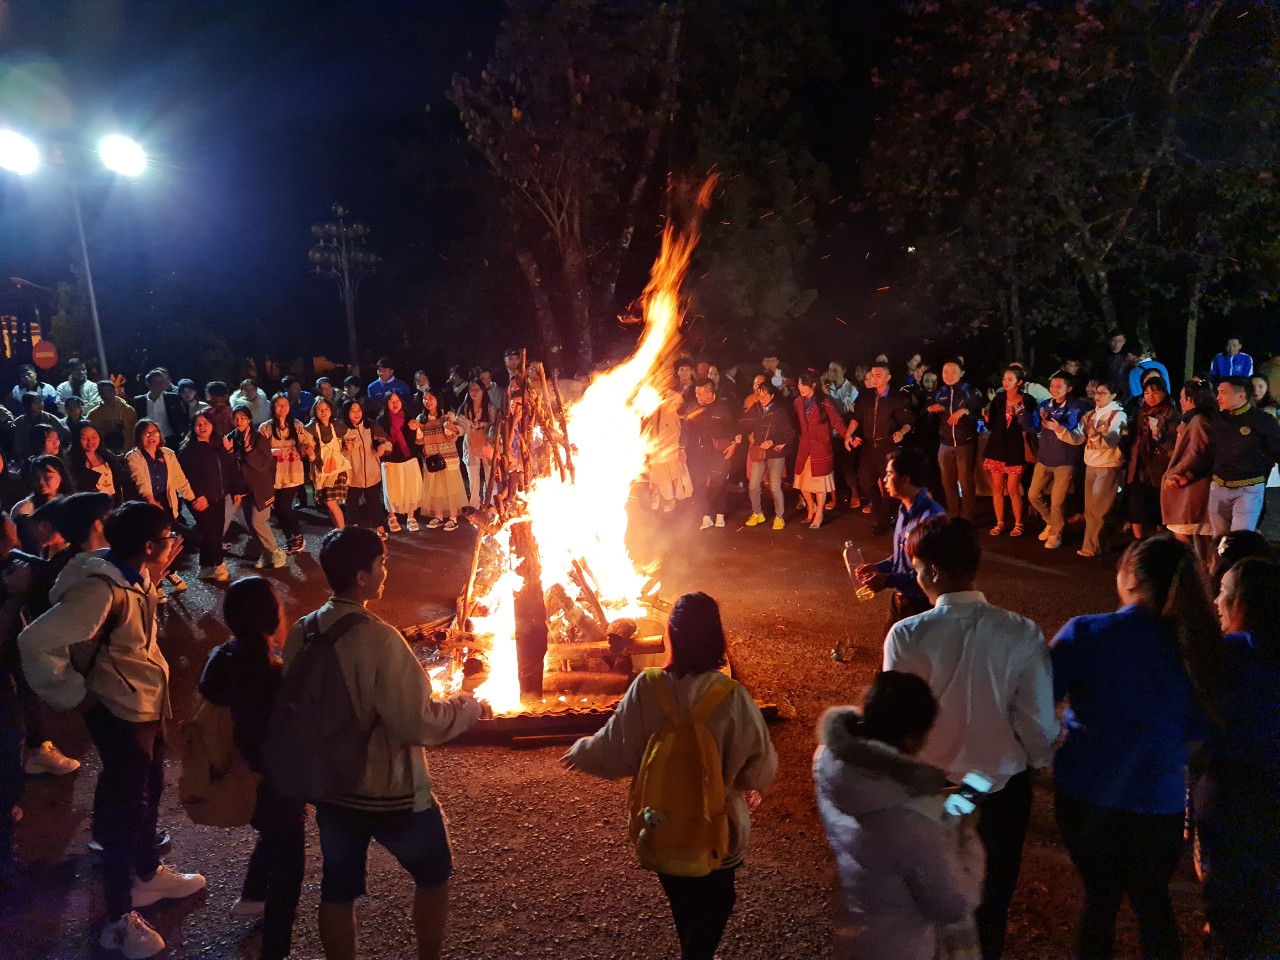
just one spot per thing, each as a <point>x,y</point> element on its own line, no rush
<point>555,607</point>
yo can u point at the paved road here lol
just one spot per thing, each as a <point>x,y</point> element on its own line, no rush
<point>543,868</point>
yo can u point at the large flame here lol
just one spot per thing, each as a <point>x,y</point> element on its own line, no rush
<point>585,519</point>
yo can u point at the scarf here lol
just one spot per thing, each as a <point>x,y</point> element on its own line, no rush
<point>396,421</point>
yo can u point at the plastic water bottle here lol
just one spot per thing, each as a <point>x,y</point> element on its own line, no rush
<point>853,559</point>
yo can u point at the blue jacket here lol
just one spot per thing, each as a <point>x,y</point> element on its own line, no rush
<point>901,575</point>
<point>1223,366</point>
<point>1142,366</point>
<point>1055,452</point>
<point>953,399</point>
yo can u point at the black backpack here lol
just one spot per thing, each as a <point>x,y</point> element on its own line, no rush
<point>315,747</point>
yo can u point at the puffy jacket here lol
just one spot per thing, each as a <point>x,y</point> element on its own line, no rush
<point>905,868</point>
<point>773,423</point>
<point>130,676</point>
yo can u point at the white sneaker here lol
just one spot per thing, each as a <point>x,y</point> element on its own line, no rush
<point>411,524</point>
<point>719,519</point>
<point>47,758</point>
<point>132,936</point>
<point>244,909</point>
<point>279,559</point>
<point>706,524</point>
<point>1045,534</point>
<point>167,884</point>
<point>1053,543</point>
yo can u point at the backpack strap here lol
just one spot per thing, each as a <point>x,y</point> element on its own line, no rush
<point>715,695</point>
<point>661,685</point>
<point>311,632</point>
<point>721,687</point>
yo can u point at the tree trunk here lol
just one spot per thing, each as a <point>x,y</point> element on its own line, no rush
<point>574,264</point>
<point>1193,329</point>
<point>543,316</point>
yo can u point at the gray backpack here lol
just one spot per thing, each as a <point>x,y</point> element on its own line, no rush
<point>315,748</point>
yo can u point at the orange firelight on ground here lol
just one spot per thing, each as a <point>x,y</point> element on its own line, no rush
<point>586,518</point>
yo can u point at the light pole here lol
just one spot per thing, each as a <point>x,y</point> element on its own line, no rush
<point>343,253</point>
<point>118,154</point>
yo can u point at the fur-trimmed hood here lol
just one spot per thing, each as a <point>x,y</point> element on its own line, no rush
<point>874,774</point>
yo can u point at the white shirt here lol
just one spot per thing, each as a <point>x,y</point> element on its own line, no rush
<point>88,393</point>
<point>158,414</point>
<point>259,406</point>
<point>990,671</point>
<point>844,396</point>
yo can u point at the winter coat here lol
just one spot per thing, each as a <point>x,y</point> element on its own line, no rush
<point>905,866</point>
<point>257,468</point>
<point>1007,438</point>
<point>1189,504</point>
<point>1150,456</point>
<point>816,425</point>
<point>362,445</point>
<point>211,469</point>
<point>130,676</point>
<point>771,423</point>
<point>177,483</point>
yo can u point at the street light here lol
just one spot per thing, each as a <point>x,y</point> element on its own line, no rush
<point>120,155</point>
<point>343,254</point>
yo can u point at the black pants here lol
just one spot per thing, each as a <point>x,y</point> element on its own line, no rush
<point>126,802</point>
<point>870,473</point>
<point>10,763</point>
<point>710,476</point>
<point>701,907</point>
<point>1119,854</point>
<point>276,867</point>
<point>285,516</point>
<point>1002,826</point>
<point>210,524</point>
<point>365,507</point>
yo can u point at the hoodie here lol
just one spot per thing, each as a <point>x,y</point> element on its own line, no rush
<point>1101,430</point>
<point>130,676</point>
<point>906,868</point>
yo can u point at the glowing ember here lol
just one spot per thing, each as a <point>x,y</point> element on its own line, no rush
<point>585,518</point>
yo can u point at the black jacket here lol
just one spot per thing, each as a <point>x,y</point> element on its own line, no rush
<point>179,418</point>
<point>879,418</point>
<point>1244,444</point>
<point>257,468</point>
<point>708,430</point>
<point>87,480</point>
<point>248,687</point>
<point>954,399</point>
<point>211,469</point>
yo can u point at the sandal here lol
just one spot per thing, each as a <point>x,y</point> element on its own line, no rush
<point>997,529</point>
<point>1017,530</point>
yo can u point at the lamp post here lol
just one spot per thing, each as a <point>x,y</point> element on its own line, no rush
<point>118,154</point>
<point>343,253</point>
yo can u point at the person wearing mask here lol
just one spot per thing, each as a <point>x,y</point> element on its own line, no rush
<point>709,432</point>
<point>769,429</point>
<point>364,443</point>
<point>29,382</point>
<point>250,396</point>
<point>479,420</point>
<point>990,671</point>
<point>1012,424</point>
<point>290,445</point>
<point>1244,444</point>
<point>114,419</point>
<point>818,419</point>
<point>700,906</point>
<point>77,385</point>
<point>881,420</point>
<point>127,687</point>
<point>189,393</point>
<point>244,676</point>
<point>331,470</point>
<point>401,468</point>
<point>386,383</point>
<point>1120,778</point>
<point>1101,432</point>
<point>1184,507</point>
<point>1237,796</point>
<point>1057,459</point>
<point>95,468</point>
<point>958,408</point>
<point>256,489</point>
<point>210,466</point>
<point>443,494</point>
<point>910,872</point>
<point>163,408</point>
<point>1231,362</point>
<point>1156,430</point>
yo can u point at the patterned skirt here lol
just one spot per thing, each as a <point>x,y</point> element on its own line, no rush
<point>995,466</point>
<point>337,490</point>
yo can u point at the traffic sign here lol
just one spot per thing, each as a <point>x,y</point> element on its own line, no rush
<point>44,355</point>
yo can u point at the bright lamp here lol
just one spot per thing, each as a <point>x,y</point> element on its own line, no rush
<point>121,155</point>
<point>18,154</point>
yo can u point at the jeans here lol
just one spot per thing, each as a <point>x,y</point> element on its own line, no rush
<point>710,476</point>
<point>700,907</point>
<point>1002,827</point>
<point>1100,485</point>
<point>276,867</point>
<point>126,802</point>
<point>1048,494</point>
<point>1235,508</point>
<point>1119,854</point>
<point>955,464</point>
<point>285,516</point>
<point>755,479</point>
<point>11,776</point>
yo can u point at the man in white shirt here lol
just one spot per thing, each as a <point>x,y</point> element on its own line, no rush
<point>250,396</point>
<point>166,410</point>
<point>77,384</point>
<point>990,671</point>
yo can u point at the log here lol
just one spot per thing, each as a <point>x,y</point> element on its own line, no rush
<point>585,682</point>
<point>603,650</point>
<point>530,611</point>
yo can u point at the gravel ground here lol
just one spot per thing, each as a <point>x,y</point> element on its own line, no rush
<point>543,868</point>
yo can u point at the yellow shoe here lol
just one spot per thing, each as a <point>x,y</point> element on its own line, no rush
<point>778,523</point>
<point>754,519</point>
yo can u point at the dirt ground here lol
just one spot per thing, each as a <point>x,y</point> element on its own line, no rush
<point>543,868</point>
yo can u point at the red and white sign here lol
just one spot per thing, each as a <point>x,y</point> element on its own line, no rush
<point>44,355</point>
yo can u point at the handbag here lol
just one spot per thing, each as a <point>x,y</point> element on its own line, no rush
<point>434,463</point>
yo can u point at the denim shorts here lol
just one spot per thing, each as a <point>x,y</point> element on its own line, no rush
<point>419,841</point>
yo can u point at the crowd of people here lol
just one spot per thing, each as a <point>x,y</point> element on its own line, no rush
<point>925,791</point>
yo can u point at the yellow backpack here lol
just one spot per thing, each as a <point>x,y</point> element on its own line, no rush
<point>678,820</point>
<point>216,787</point>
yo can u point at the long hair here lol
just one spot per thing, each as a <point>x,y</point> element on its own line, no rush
<point>190,436</point>
<point>1203,401</point>
<point>1258,593</point>
<point>468,404</point>
<point>697,636</point>
<point>252,612</point>
<point>1167,576</point>
<point>291,425</point>
<point>47,461</point>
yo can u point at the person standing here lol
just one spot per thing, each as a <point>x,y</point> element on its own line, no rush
<point>1057,459</point>
<point>401,468</point>
<point>1184,506</point>
<point>244,675</point>
<point>364,444</point>
<point>207,460</point>
<point>1155,425</point>
<point>128,681</point>
<point>701,906</point>
<point>331,470</point>
<point>443,494</point>
<point>478,417</point>
<point>190,395</point>
<point>158,478</point>
<point>163,408</point>
<point>250,396</point>
<point>990,670</point>
<point>290,445</point>
<point>393,804</point>
<point>881,420</point>
<point>818,419</point>
<point>768,426</point>
<point>219,407</point>
<point>387,383</point>
<point>957,408</point>
<point>1120,779</point>
<point>93,467</point>
<point>1245,444</point>
<point>256,491</point>
<point>114,418</point>
<point>1012,423</point>
<point>1231,362</point>
<point>709,444</point>
<point>1101,431</point>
